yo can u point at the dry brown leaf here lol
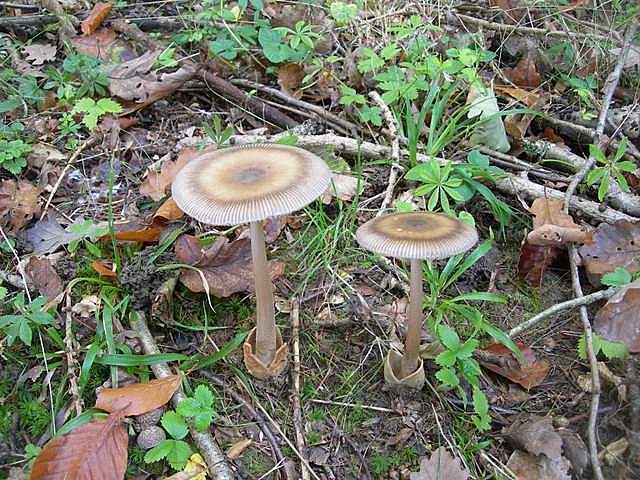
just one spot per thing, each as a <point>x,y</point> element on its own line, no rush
<point>613,245</point>
<point>226,266</point>
<point>618,319</point>
<point>534,260</point>
<point>524,74</point>
<point>531,467</point>
<point>441,465</point>
<point>236,449</point>
<point>44,277</point>
<point>290,78</point>
<point>342,186</point>
<point>530,99</point>
<point>156,184</point>
<point>552,226</point>
<point>104,45</point>
<point>138,398</point>
<point>502,361</point>
<point>18,203</point>
<point>97,450</point>
<point>38,53</point>
<point>535,435</point>
<point>168,212</point>
<point>103,269</point>
<point>98,13</point>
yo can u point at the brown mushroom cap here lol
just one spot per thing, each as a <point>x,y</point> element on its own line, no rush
<point>249,183</point>
<point>418,235</point>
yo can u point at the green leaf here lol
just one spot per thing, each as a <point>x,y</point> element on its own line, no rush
<point>617,278</point>
<point>604,187</point>
<point>174,424</point>
<point>447,358</point>
<point>595,152</point>
<point>370,62</point>
<point>468,348</point>
<point>622,148</point>
<point>179,455</point>
<point>130,360</point>
<point>448,337</point>
<point>448,377</point>
<point>203,420</point>
<point>613,350</point>
<point>204,396</point>
<point>626,166</point>
<point>595,175</point>
<point>188,407</point>
<point>25,332</point>
<point>159,452</point>
<point>343,13</point>
<point>228,347</point>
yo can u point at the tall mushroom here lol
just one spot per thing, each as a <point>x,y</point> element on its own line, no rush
<point>416,236</point>
<point>248,184</point>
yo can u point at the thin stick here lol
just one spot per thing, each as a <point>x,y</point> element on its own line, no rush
<point>205,442</point>
<point>295,374</point>
<point>353,405</point>
<point>76,399</point>
<point>354,447</point>
<point>558,307</point>
<point>395,150</point>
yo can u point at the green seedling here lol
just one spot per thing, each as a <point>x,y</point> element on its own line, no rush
<point>608,169</point>
<point>93,110</point>
<point>27,316</point>
<point>199,408</point>
<point>175,450</point>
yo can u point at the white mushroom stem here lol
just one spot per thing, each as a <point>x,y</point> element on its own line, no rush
<point>265,347</point>
<point>410,362</point>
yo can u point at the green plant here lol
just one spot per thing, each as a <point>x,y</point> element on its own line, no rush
<point>610,168</point>
<point>437,182</point>
<point>343,13</point>
<point>13,150</point>
<point>611,350</point>
<point>81,76</point>
<point>301,34</point>
<point>93,110</point>
<point>219,135</point>
<point>174,449</point>
<point>585,89</point>
<point>27,316</point>
<point>380,465</point>
<point>200,408</point>
<point>84,232</point>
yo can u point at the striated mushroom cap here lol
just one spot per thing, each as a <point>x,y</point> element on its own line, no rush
<point>419,235</point>
<point>249,183</point>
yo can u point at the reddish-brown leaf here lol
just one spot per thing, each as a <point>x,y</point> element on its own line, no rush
<point>189,249</point>
<point>226,266</point>
<point>98,13</point>
<point>524,74</point>
<point>138,398</point>
<point>618,320</point>
<point>44,277</point>
<point>18,203</point>
<point>103,44</point>
<point>167,212</point>
<point>530,99</point>
<point>534,260</point>
<point>552,226</point>
<point>501,360</point>
<point>614,245</point>
<point>103,269</point>
<point>97,450</point>
<point>156,184</point>
<point>290,78</point>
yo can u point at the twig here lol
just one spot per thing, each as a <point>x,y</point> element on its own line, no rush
<point>353,405</point>
<point>18,6</point>
<point>76,399</point>
<point>295,394</point>
<point>205,442</point>
<point>395,150</point>
<point>354,447</point>
<point>254,415</point>
<point>81,148</point>
<point>558,307</point>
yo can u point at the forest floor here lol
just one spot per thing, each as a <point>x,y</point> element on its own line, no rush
<point>501,113</point>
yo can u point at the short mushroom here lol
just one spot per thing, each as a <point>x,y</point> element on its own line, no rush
<point>248,184</point>
<point>417,236</point>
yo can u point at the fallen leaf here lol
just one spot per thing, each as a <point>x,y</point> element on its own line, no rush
<point>226,266</point>
<point>38,53</point>
<point>530,99</point>
<point>236,449</point>
<point>501,360</point>
<point>87,306</point>
<point>48,235</point>
<point>613,245</point>
<point>552,226</point>
<point>535,435</point>
<point>632,59</point>
<point>524,74</point>
<point>290,78</point>
<point>156,184</point>
<point>138,398</point>
<point>189,249</point>
<point>342,186</point>
<point>98,13</point>
<point>534,260</point>
<point>103,269</point>
<point>44,277</point>
<point>613,452</point>
<point>531,467</point>
<point>168,211</point>
<point>95,450</point>
<point>441,465</point>
<point>133,231</point>
<point>574,450</point>
<point>18,203</point>
<point>618,319</point>
<point>42,153</point>
<point>133,80</point>
<point>104,45</point>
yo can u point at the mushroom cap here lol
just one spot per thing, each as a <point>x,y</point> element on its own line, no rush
<point>249,183</point>
<point>418,235</point>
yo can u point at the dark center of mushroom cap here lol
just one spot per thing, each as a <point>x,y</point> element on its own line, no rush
<point>250,175</point>
<point>417,226</point>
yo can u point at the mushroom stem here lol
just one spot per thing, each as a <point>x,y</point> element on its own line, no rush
<point>265,347</point>
<point>410,361</point>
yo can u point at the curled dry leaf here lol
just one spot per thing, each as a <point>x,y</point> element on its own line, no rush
<point>524,74</point>
<point>98,13</point>
<point>138,398</point>
<point>95,450</point>
<point>614,245</point>
<point>290,78</point>
<point>618,320</point>
<point>236,449</point>
<point>44,277</point>
<point>534,260</point>
<point>103,269</point>
<point>135,232</point>
<point>104,45</point>
<point>500,360</point>
<point>552,226</point>
<point>531,467</point>
<point>38,53</point>
<point>156,184</point>
<point>441,465</point>
<point>343,187</point>
<point>18,203</point>
<point>530,99</point>
<point>226,266</point>
<point>535,435</point>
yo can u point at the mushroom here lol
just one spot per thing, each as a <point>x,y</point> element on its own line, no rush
<point>416,236</point>
<point>248,184</point>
